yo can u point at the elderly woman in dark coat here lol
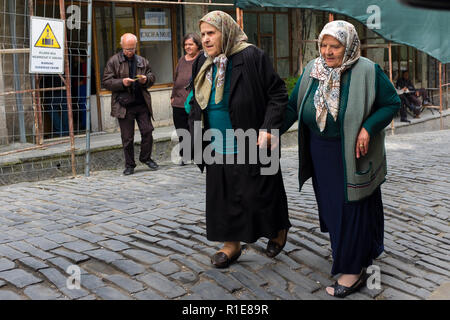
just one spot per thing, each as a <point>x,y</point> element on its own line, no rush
<point>235,87</point>
<point>342,103</point>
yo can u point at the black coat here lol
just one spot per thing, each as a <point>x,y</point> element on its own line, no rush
<point>258,96</point>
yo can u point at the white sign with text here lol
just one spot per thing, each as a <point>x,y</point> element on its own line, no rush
<point>156,35</point>
<point>155,18</point>
<point>47,45</point>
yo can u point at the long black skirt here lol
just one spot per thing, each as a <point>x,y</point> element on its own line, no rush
<point>244,207</point>
<point>356,229</point>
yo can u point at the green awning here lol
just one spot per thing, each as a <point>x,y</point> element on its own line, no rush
<point>424,29</point>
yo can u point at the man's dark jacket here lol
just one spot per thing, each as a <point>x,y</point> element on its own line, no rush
<point>116,69</point>
<point>258,96</point>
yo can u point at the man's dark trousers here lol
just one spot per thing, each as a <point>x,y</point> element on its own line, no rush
<point>142,116</point>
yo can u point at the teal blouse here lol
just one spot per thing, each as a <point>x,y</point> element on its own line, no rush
<point>218,116</point>
<point>332,128</point>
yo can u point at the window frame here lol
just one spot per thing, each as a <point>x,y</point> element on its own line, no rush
<point>274,14</point>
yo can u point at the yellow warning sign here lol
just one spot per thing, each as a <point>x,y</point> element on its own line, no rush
<point>47,39</point>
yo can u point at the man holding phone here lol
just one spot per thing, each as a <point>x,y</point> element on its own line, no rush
<point>128,75</point>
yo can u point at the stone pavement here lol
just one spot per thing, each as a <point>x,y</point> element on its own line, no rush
<point>143,236</point>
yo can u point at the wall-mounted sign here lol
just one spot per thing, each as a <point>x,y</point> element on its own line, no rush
<point>156,35</point>
<point>153,18</point>
<point>47,45</point>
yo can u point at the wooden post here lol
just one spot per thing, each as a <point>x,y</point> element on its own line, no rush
<point>36,97</point>
<point>390,61</point>
<point>62,12</point>
<point>300,41</point>
<point>440,94</point>
<point>407,63</point>
<point>390,78</point>
<point>240,18</point>
<point>446,87</point>
<point>97,71</point>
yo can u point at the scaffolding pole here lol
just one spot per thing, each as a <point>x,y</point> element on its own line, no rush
<point>36,101</point>
<point>390,78</point>
<point>240,18</point>
<point>330,17</point>
<point>440,95</point>
<point>62,13</point>
<point>88,92</point>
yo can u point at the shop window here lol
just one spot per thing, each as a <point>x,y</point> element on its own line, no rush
<point>104,34</point>
<point>124,23</point>
<point>270,31</point>
<point>152,26</point>
<point>155,35</point>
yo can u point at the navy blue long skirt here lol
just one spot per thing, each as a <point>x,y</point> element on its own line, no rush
<point>356,229</point>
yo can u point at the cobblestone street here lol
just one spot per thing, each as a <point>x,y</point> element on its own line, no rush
<point>143,236</point>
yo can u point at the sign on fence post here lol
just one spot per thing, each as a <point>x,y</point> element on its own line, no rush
<point>47,45</point>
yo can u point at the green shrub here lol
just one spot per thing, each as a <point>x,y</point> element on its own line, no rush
<point>290,84</point>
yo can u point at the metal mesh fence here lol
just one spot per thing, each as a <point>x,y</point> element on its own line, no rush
<point>36,109</point>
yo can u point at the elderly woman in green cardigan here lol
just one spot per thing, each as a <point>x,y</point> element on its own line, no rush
<point>342,103</point>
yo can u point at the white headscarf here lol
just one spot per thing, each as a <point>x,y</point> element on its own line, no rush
<point>326,98</point>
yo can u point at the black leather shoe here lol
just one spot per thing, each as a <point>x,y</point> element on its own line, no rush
<point>152,164</point>
<point>221,260</point>
<point>405,120</point>
<point>341,291</point>
<point>273,248</point>
<point>128,171</point>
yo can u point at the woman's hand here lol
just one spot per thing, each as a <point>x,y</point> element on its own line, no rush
<point>267,140</point>
<point>362,143</point>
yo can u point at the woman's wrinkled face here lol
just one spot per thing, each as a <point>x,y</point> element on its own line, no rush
<point>332,51</point>
<point>211,39</point>
<point>190,47</point>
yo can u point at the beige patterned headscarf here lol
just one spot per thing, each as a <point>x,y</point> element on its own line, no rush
<point>234,40</point>
<point>326,98</point>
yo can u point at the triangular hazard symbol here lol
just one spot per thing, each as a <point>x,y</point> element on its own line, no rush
<point>47,39</point>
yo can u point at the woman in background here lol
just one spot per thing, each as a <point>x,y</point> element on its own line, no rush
<point>192,46</point>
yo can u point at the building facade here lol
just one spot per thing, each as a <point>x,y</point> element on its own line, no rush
<point>286,35</point>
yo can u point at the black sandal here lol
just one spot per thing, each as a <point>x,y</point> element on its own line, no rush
<point>341,291</point>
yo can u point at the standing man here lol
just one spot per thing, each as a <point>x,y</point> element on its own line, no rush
<point>128,76</point>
